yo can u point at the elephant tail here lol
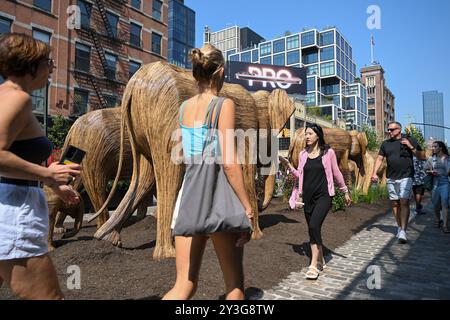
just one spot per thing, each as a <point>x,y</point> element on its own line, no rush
<point>125,114</point>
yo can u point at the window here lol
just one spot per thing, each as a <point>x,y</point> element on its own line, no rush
<point>111,61</point>
<point>5,26</point>
<point>308,39</point>
<point>278,59</point>
<point>311,84</point>
<point>255,55</point>
<point>85,9</point>
<point>157,9</point>
<point>82,57</point>
<point>327,38</point>
<point>246,56</point>
<point>133,67</point>
<point>43,4</point>
<point>331,89</point>
<point>371,112</point>
<point>113,21</point>
<point>229,53</point>
<point>136,4</point>
<point>292,42</point>
<point>310,99</point>
<point>266,60</point>
<point>312,70</point>
<point>156,43</point>
<point>111,101</point>
<point>41,35</point>
<point>234,57</point>
<point>326,69</point>
<point>278,46</point>
<point>338,39</point>
<point>135,34</point>
<point>370,82</point>
<point>266,49</point>
<point>371,101</point>
<point>293,57</point>
<point>371,90</point>
<point>80,101</point>
<point>310,58</point>
<point>327,53</point>
<point>39,96</point>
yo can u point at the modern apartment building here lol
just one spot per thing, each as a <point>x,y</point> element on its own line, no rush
<point>433,113</point>
<point>232,39</point>
<point>97,46</point>
<point>331,70</point>
<point>181,33</point>
<point>381,101</point>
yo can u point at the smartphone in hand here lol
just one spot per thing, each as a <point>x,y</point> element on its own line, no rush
<point>72,155</point>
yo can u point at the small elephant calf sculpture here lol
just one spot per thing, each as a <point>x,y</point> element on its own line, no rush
<point>58,210</point>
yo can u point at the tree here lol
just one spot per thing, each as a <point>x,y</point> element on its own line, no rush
<point>416,133</point>
<point>314,111</point>
<point>57,132</point>
<point>372,137</point>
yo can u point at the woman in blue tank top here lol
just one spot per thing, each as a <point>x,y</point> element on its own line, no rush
<point>208,69</point>
<point>24,262</point>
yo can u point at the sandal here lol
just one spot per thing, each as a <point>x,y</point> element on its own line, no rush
<point>321,266</point>
<point>312,273</point>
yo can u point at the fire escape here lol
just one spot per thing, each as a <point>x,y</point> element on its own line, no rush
<point>92,33</point>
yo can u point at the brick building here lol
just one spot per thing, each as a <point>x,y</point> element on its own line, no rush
<point>380,100</point>
<point>97,46</point>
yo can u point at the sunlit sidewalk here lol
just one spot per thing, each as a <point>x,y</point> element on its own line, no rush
<point>372,265</point>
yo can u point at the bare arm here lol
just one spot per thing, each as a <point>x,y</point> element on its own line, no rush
<point>232,169</point>
<point>377,166</point>
<point>13,120</point>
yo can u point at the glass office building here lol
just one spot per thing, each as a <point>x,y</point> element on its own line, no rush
<point>181,33</point>
<point>331,71</point>
<point>433,113</point>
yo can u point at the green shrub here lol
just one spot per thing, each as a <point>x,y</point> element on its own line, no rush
<point>338,203</point>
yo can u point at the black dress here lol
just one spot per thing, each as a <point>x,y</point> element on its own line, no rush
<point>316,197</point>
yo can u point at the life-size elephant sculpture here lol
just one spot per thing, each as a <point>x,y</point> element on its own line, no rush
<point>150,109</point>
<point>57,206</point>
<point>98,134</point>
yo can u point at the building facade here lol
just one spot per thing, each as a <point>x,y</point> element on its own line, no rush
<point>181,33</point>
<point>97,46</point>
<point>433,113</point>
<point>232,40</point>
<point>332,91</point>
<point>381,101</point>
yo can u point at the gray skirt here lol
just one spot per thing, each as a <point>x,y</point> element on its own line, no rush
<point>23,222</point>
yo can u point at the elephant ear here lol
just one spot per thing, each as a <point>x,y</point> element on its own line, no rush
<point>281,108</point>
<point>297,144</point>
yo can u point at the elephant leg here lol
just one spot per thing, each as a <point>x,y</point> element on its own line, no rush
<point>168,181</point>
<point>59,225</point>
<point>53,210</point>
<point>249,179</point>
<point>95,187</point>
<point>343,166</point>
<point>145,188</point>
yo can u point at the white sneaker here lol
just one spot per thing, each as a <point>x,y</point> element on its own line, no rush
<point>402,237</point>
<point>398,231</point>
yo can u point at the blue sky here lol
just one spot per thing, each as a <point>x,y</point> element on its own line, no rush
<point>412,44</point>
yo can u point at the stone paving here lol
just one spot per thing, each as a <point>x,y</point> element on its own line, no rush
<point>373,265</point>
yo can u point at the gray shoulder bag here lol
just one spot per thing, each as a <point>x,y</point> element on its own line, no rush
<point>208,203</point>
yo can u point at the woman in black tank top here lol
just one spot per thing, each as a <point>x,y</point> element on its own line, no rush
<point>24,263</point>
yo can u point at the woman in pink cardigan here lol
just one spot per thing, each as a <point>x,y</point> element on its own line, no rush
<point>316,173</point>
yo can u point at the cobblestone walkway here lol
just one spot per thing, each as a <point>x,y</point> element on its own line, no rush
<point>419,269</point>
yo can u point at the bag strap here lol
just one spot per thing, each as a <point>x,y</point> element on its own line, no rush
<point>212,126</point>
<point>183,105</point>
